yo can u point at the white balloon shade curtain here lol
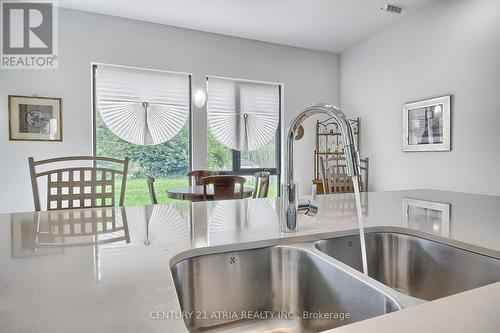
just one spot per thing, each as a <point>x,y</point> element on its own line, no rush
<point>242,115</point>
<point>142,106</point>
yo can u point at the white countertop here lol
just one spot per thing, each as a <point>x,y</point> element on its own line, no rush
<point>114,286</point>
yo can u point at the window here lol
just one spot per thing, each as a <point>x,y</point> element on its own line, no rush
<point>148,119</point>
<point>244,128</point>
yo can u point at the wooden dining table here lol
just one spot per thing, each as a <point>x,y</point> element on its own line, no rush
<point>195,193</point>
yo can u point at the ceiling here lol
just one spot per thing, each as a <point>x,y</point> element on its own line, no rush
<point>326,25</point>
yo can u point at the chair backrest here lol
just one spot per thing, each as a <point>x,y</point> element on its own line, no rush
<point>151,187</point>
<point>335,177</point>
<point>261,184</point>
<point>196,175</point>
<point>224,186</point>
<point>78,186</point>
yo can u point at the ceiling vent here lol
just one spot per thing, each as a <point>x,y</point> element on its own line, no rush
<point>392,9</point>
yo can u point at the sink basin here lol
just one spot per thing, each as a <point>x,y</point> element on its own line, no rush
<point>285,287</point>
<point>415,266</point>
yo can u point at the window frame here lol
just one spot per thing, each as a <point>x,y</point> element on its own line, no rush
<point>236,154</point>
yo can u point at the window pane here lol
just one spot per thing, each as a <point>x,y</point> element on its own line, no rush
<point>264,157</point>
<point>219,157</point>
<point>168,162</point>
<point>144,106</point>
<point>242,115</point>
<point>273,185</point>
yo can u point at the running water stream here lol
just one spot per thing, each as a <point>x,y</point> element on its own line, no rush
<point>357,197</point>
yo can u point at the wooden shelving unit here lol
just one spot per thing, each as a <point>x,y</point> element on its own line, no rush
<point>329,144</point>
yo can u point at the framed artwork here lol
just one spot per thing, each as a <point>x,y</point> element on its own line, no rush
<point>35,118</point>
<point>427,216</point>
<point>427,125</point>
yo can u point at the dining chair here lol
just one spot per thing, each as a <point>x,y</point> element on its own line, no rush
<point>83,184</point>
<point>335,176</point>
<point>196,175</point>
<point>151,187</point>
<point>224,187</point>
<point>261,184</point>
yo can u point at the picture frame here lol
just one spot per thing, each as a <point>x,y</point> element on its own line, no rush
<point>427,216</point>
<point>427,125</point>
<point>35,118</point>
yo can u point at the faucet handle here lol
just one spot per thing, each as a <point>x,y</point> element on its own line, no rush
<point>314,192</point>
<point>308,207</point>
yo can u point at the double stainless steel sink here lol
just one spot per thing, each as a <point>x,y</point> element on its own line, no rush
<point>318,285</point>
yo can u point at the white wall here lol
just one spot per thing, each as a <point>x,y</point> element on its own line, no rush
<point>308,77</point>
<point>452,47</point>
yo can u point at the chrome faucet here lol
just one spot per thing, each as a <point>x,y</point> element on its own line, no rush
<point>291,204</point>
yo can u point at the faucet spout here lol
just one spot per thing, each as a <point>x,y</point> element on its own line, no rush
<point>290,195</point>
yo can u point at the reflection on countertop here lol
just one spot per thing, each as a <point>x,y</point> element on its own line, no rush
<point>475,221</point>
<point>115,262</point>
<point>34,234</point>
